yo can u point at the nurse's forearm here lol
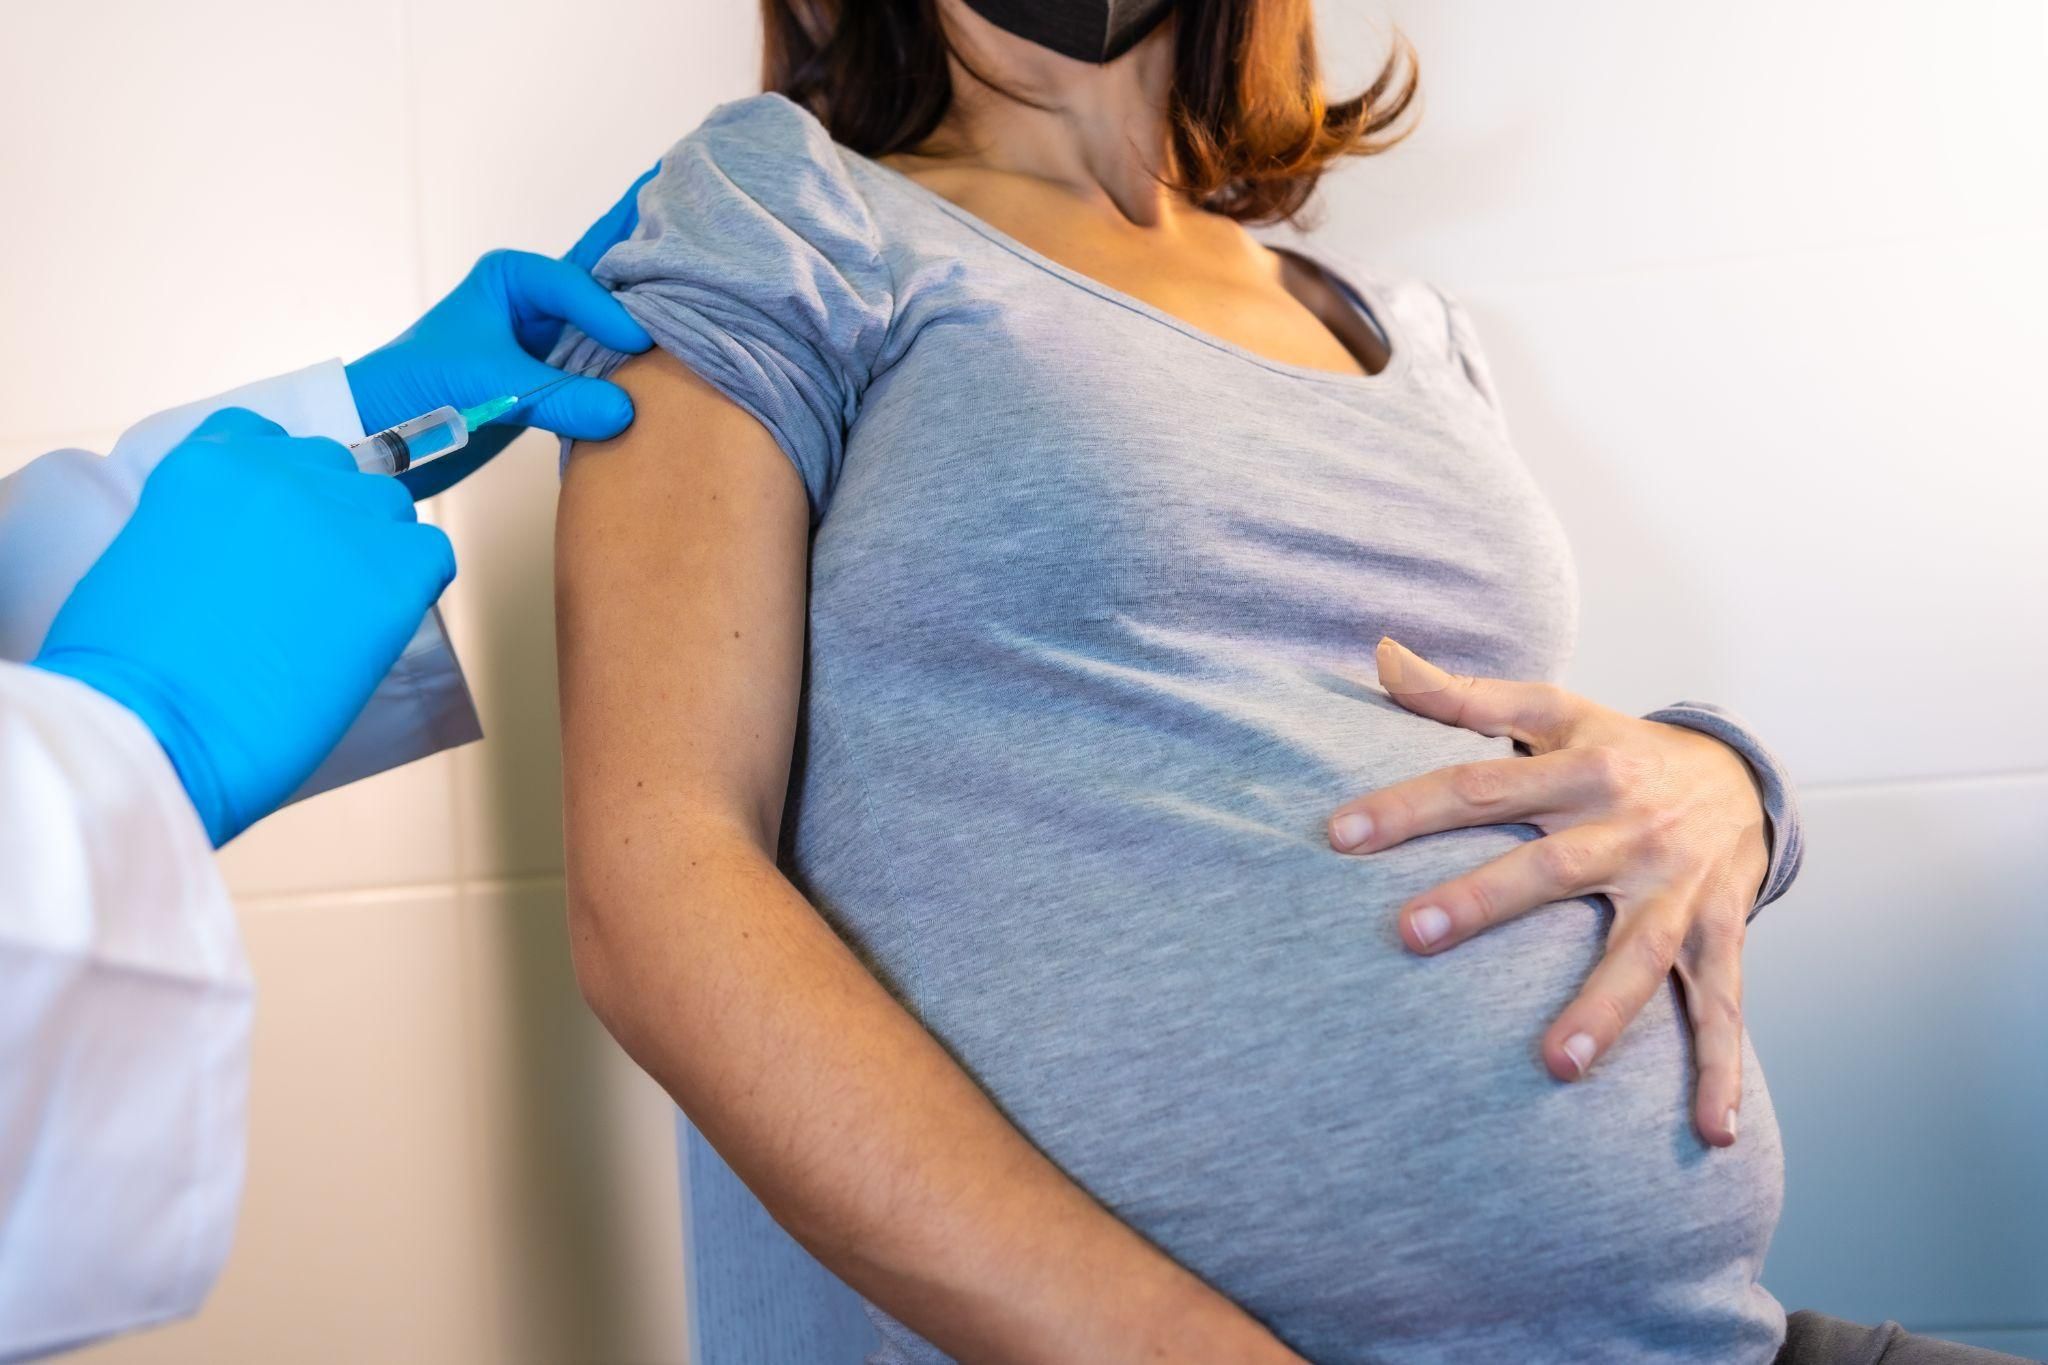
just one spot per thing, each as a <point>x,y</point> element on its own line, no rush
<point>863,1137</point>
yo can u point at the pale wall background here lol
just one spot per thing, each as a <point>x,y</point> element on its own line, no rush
<point>1763,286</point>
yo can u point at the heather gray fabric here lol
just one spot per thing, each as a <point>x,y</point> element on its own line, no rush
<point>1814,1339</point>
<point>1093,604</point>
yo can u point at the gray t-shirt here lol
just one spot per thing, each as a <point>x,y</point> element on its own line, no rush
<point>1094,596</point>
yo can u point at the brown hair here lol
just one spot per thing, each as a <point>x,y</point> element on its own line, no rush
<point>1252,129</point>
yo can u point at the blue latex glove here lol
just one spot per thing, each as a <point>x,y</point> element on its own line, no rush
<point>249,607</point>
<point>489,337</point>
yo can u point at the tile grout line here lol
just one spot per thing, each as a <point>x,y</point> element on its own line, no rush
<point>460,884</point>
<point>384,893</point>
<point>1865,784</point>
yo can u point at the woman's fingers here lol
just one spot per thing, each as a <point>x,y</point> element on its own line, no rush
<point>1540,715</point>
<point>1641,949</point>
<point>1710,970</point>
<point>1495,791</point>
<point>1627,807</point>
<point>1556,867</point>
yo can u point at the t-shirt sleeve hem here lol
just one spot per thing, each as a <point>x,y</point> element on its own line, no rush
<point>1780,798</point>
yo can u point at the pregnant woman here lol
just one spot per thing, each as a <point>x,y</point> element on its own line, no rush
<point>966,704</point>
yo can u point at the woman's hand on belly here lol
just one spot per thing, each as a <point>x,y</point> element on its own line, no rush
<point>1667,822</point>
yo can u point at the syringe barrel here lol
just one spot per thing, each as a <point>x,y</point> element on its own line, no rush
<point>396,449</point>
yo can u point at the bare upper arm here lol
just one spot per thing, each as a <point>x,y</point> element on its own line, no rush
<point>681,555</point>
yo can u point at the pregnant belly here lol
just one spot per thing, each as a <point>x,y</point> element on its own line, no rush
<point>1121,915</point>
<point>1233,1052</point>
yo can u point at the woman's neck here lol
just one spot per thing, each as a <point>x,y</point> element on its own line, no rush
<point>1101,135</point>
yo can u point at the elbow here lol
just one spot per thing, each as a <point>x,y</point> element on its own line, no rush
<point>629,910</point>
<point>595,954</point>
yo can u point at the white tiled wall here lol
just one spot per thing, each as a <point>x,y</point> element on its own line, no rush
<point>1898,1010</point>
<point>1764,289</point>
<point>449,1160</point>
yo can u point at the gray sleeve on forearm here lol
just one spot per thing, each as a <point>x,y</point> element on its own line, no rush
<point>1781,801</point>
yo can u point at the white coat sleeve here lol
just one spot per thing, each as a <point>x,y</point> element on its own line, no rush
<point>59,512</point>
<point>124,1027</point>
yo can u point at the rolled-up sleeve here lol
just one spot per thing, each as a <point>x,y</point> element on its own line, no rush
<point>1781,802</point>
<point>758,264</point>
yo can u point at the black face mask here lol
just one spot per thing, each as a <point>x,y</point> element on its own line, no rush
<point>1097,32</point>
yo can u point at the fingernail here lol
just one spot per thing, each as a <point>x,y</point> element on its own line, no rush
<point>1352,830</point>
<point>1430,924</point>
<point>1579,1047</point>
<point>1403,670</point>
<point>1734,1121</point>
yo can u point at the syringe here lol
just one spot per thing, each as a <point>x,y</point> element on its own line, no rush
<point>440,432</point>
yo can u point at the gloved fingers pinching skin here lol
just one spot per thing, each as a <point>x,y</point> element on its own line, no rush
<point>584,410</point>
<point>490,337</point>
<point>545,294</point>
<point>576,406</point>
<point>580,408</point>
<point>249,608</point>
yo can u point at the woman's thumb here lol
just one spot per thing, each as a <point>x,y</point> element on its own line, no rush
<point>1420,685</point>
<point>1536,714</point>
<point>1404,672</point>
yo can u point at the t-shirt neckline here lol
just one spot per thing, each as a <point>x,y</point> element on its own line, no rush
<point>1358,291</point>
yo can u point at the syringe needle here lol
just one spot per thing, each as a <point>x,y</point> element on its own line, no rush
<point>491,410</point>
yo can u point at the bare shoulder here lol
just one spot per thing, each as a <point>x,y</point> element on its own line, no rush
<point>681,552</point>
<point>691,457</point>
<point>674,411</point>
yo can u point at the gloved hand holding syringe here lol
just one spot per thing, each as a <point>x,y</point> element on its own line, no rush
<point>247,703</point>
<point>443,431</point>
